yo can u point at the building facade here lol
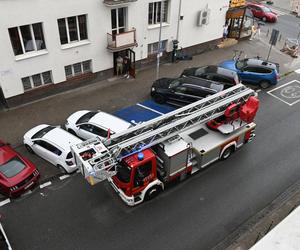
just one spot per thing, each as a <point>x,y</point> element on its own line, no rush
<point>47,43</point>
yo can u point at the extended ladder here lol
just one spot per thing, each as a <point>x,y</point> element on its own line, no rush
<point>162,128</point>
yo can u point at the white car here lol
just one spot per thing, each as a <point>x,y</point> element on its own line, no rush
<point>88,124</point>
<point>53,144</point>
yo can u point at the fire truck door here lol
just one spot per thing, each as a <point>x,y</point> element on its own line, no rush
<point>142,176</point>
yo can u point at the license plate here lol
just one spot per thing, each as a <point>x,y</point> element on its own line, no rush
<point>29,185</point>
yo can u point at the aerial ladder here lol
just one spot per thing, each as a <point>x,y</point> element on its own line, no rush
<point>97,159</point>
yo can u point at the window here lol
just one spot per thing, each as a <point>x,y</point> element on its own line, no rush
<point>118,20</point>
<point>153,47</point>
<point>36,80</point>
<point>141,173</point>
<point>78,68</point>
<point>27,38</point>
<point>48,147</point>
<point>72,29</point>
<point>154,12</point>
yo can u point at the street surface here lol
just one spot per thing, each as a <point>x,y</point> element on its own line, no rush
<point>195,214</point>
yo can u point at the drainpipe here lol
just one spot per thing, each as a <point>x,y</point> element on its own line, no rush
<point>159,40</point>
<point>178,21</point>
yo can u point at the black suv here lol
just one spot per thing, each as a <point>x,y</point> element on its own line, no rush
<point>214,73</point>
<point>183,90</point>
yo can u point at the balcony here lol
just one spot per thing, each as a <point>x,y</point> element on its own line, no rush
<point>112,3</point>
<point>121,41</point>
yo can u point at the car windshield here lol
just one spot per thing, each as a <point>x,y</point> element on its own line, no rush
<point>42,132</point>
<point>174,84</point>
<point>240,64</point>
<point>12,167</point>
<point>266,9</point>
<point>123,172</point>
<point>86,117</point>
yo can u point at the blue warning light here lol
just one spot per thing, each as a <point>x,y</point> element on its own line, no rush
<point>140,156</point>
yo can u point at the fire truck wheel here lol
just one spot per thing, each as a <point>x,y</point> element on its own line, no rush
<point>152,193</point>
<point>226,154</point>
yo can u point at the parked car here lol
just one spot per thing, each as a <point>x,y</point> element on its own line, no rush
<point>17,173</point>
<point>53,144</point>
<point>254,71</point>
<point>215,73</point>
<point>88,124</point>
<point>183,90</point>
<point>262,12</point>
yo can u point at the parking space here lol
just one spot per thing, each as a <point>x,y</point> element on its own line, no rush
<point>289,93</point>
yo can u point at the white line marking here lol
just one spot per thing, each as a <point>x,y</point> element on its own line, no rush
<point>46,184</point>
<point>78,171</point>
<point>279,99</point>
<point>153,110</point>
<point>258,90</point>
<point>282,86</point>
<point>2,203</point>
<point>64,177</point>
<point>297,71</point>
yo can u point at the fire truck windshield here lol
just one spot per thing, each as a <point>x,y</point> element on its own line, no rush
<point>123,172</point>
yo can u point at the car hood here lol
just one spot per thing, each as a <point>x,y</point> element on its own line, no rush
<point>229,64</point>
<point>163,83</point>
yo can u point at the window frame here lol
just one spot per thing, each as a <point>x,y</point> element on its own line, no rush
<point>67,29</point>
<point>155,17</point>
<point>33,39</point>
<point>82,70</point>
<point>43,83</point>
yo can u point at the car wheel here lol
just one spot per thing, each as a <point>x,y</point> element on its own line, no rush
<point>264,19</point>
<point>227,153</point>
<point>71,131</point>
<point>159,99</point>
<point>62,169</point>
<point>264,84</point>
<point>152,193</point>
<point>29,149</point>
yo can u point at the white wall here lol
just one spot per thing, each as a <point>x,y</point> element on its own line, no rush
<point>22,12</point>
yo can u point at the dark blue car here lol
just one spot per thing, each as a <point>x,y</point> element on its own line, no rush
<point>254,71</point>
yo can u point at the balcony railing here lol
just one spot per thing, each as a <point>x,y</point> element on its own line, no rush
<point>117,2</point>
<point>121,41</point>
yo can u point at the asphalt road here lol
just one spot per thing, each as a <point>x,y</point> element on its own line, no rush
<point>195,214</point>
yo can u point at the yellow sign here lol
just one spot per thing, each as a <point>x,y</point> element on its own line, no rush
<point>236,3</point>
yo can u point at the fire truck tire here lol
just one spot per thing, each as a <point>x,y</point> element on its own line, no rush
<point>227,152</point>
<point>152,193</point>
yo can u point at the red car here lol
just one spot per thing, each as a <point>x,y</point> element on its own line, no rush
<point>17,174</point>
<point>262,12</point>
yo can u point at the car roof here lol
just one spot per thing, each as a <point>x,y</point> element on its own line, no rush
<point>255,4</point>
<point>61,138</point>
<point>196,81</point>
<point>109,121</point>
<point>259,62</point>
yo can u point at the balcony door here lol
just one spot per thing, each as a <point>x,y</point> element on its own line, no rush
<point>118,21</point>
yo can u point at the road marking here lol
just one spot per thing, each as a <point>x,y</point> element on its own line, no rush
<point>297,71</point>
<point>64,176</point>
<point>258,90</point>
<point>2,203</point>
<point>280,87</point>
<point>27,193</point>
<point>46,184</point>
<point>78,171</point>
<point>153,110</point>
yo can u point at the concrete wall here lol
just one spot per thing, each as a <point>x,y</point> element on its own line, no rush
<point>22,12</point>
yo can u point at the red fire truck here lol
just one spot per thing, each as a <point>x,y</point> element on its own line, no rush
<point>139,162</point>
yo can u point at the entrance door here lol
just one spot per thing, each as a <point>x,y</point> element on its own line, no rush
<point>131,55</point>
<point>3,103</point>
